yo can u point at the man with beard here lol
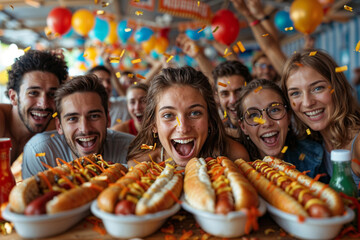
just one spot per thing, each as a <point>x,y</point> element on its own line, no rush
<point>33,80</point>
<point>81,123</point>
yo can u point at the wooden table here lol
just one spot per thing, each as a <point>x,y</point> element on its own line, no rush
<point>84,231</point>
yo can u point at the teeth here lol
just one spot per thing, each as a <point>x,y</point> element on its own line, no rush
<point>86,139</point>
<point>138,114</point>
<point>232,109</point>
<point>39,114</point>
<point>184,141</point>
<point>312,113</point>
<point>270,134</point>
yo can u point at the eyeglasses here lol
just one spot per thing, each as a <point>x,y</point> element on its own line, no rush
<point>276,111</point>
<point>264,66</point>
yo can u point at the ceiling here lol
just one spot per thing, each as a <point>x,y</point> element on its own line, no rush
<point>23,21</point>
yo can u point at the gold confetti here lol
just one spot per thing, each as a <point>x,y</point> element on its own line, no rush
<point>136,61</point>
<point>114,59</point>
<point>100,12</point>
<point>329,87</point>
<point>236,49</point>
<point>298,64</point>
<point>245,84</point>
<point>136,82</point>
<point>144,146</point>
<point>357,48</point>
<point>202,29</point>
<point>225,114</point>
<point>169,59</point>
<point>140,76</point>
<point>289,28</point>
<point>85,55</point>
<point>302,156</point>
<point>96,1</point>
<point>55,114</point>
<point>178,120</point>
<point>313,53</point>
<point>294,104</point>
<point>47,31</point>
<point>127,29</point>
<point>118,120</point>
<point>105,4</point>
<point>265,35</point>
<point>198,3</point>
<point>241,46</point>
<point>139,13</point>
<point>52,135</point>
<point>130,75</point>
<point>257,89</point>
<point>284,149</point>
<point>40,155</point>
<point>228,54</point>
<point>350,9</point>
<point>226,50</point>
<point>122,53</point>
<point>332,91</point>
<point>222,84</point>
<point>27,49</point>
<point>341,69</point>
<point>57,35</point>
<point>118,74</point>
<point>217,27</point>
<point>308,131</point>
<point>11,6</point>
<point>259,120</point>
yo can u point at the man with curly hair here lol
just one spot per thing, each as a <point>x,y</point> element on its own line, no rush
<point>33,80</point>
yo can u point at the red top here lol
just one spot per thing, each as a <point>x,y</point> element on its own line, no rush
<point>132,128</point>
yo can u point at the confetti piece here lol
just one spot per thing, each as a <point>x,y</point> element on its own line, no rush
<point>57,35</point>
<point>136,61</point>
<point>257,89</point>
<point>144,146</point>
<point>298,64</point>
<point>96,1</point>
<point>225,114</point>
<point>217,27</point>
<point>127,29</point>
<point>308,131</point>
<point>236,49</point>
<point>136,82</point>
<point>118,74</point>
<point>118,120</point>
<point>341,69</point>
<point>85,55</point>
<point>346,7</point>
<point>130,75</point>
<point>202,29</point>
<point>284,149</point>
<point>313,53</point>
<point>154,147</point>
<point>226,50</point>
<point>40,155</point>
<point>222,84</point>
<point>268,231</point>
<point>357,48</point>
<point>11,6</point>
<point>259,120</point>
<point>228,54</point>
<point>169,59</point>
<point>265,35</point>
<point>47,31</point>
<point>301,157</point>
<point>329,87</point>
<point>27,49</point>
<point>100,12</point>
<point>245,84</point>
<point>105,4</point>
<point>289,28</point>
<point>52,135</point>
<point>332,91</point>
<point>139,13</point>
<point>140,76</point>
<point>178,120</point>
<point>241,46</point>
<point>114,59</point>
<point>294,104</point>
<point>55,114</point>
<point>198,3</point>
<point>122,53</point>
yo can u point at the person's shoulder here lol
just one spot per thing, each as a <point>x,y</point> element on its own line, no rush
<point>44,137</point>
<point>118,100</point>
<point>114,135</point>
<point>121,127</point>
<point>236,150</point>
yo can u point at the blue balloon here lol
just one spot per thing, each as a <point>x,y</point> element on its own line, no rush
<point>154,54</point>
<point>100,30</point>
<point>123,35</point>
<point>143,34</point>
<point>194,34</point>
<point>80,41</point>
<point>282,20</point>
<point>208,33</point>
<point>81,58</point>
<point>69,33</point>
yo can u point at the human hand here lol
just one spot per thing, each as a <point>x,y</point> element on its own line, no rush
<point>188,46</point>
<point>256,8</point>
<point>241,7</point>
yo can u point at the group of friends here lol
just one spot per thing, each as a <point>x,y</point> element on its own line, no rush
<point>297,109</point>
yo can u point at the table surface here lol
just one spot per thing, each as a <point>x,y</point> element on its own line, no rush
<point>84,230</point>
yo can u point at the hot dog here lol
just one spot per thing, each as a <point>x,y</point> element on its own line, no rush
<point>64,187</point>
<point>323,191</point>
<point>147,188</point>
<point>217,186</point>
<point>284,192</point>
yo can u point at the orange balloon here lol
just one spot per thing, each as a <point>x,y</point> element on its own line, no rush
<point>161,45</point>
<point>112,37</point>
<point>82,21</point>
<point>91,53</point>
<point>149,44</point>
<point>306,15</point>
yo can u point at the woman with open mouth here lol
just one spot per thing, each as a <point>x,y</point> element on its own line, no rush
<point>136,103</point>
<point>323,103</point>
<point>181,121</point>
<point>264,118</point>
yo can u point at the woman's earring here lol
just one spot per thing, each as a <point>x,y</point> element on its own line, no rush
<point>247,137</point>
<point>155,135</point>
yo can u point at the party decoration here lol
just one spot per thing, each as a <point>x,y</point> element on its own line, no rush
<point>143,34</point>
<point>208,33</point>
<point>326,3</point>
<point>90,53</point>
<point>282,20</point>
<point>69,33</point>
<point>194,34</point>
<point>100,30</point>
<point>59,20</point>
<point>112,37</point>
<point>122,30</point>
<point>149,44</point>
<point>161,45</point>
<point>83,21</point>
<point>227,26</point>
<point>306,15</point>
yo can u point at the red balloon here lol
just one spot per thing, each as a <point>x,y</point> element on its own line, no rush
<point>227,26</point>
<point>59,20</point>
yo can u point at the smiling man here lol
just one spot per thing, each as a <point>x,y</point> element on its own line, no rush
<point>83,118</point>
<point>33,80</point>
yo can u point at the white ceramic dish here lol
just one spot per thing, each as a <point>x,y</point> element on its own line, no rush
<point>131,226</point>
<point>227,226</point>
<point>45,225</point>
<point>310,228</point>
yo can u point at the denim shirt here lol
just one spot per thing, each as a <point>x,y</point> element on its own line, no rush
<point>312,161</point>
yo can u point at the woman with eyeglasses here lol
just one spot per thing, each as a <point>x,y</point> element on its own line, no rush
<point>264,118</point>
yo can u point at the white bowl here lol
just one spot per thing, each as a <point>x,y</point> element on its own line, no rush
<point>227,226</point>
<point>132,226</point>
<point>310,228</point>
<point>45,225</point>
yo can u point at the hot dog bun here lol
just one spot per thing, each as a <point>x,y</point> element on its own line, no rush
<point>213,182</point>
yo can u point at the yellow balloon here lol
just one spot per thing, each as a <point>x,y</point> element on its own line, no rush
<point>4,77</point>
<point>112,37</point>
<point>91,53</point>
<point>82,21</point>
<point>306,15</point>
<point>149,44</point>
<point>161,45</point>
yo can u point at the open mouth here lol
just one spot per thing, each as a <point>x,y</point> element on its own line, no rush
<point>270,138</point>
<point>232,111</point>
<point>314,115</point>
<point>86,142</point>
<point>39,116</point>
<point>184,147</point>
<point>139,116</point>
